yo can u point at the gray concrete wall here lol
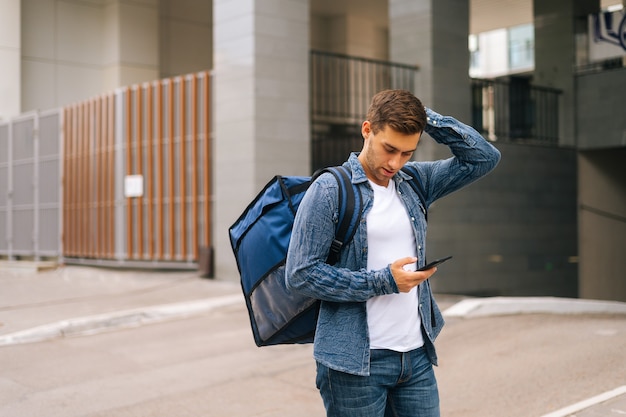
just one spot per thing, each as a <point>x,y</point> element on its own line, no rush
<point>72,51</point>
<point>602,224</point>
<point>600,113</point>
<point>185,36</point>
<point>513,232</point>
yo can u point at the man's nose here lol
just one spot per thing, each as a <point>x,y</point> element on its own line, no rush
<point>395,162</point>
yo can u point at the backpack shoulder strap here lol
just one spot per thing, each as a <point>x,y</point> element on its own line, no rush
<point>350,208</point>
<point>416,183</point>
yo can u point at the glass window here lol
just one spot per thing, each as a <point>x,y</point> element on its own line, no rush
<point>474,52</point>
<point>521,47</point>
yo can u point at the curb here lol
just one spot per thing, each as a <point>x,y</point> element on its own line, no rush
<point>89,325</point>
<point>493,306</point>
<point>468,308</point>
<point>28,266</point>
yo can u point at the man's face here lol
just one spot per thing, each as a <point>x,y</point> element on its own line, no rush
<point>385,152</point>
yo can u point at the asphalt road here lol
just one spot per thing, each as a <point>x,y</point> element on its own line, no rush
<point>208,365</point>
<point>121,343</point>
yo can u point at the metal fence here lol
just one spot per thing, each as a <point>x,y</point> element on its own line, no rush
<point>123,178</point>
<point>30,192</point>
<point>514,110</point>
<point>341,89</point>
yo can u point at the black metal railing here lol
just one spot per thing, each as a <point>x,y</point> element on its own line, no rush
<point>515,110</point>
<point>341,89</point>
<point>342,86</point>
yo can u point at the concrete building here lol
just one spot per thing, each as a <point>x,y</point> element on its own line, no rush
<point>551,220</point>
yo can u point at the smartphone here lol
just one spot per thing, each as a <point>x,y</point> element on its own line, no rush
<point>434,263</point>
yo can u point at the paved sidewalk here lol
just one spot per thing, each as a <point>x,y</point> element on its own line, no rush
<point>75,300</point>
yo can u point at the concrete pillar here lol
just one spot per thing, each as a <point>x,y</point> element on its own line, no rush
<point>433,35</point>
<point>261,113</point>
<point>602,229</point>
<point>131,43</point>
<point>555,54</point>
<point>10,56</point>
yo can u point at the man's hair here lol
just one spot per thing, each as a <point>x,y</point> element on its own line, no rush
<point>398,109</point>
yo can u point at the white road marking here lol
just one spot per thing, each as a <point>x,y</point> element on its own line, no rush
<point>569,410</point>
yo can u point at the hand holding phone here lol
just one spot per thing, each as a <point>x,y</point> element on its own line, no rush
<point>434,263</point>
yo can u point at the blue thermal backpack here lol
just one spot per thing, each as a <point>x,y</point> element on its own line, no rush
<point>260,239</point>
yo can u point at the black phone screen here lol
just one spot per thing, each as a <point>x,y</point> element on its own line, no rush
<point>434,263</point>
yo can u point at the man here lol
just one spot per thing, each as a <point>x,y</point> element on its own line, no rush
<point>374,343</point>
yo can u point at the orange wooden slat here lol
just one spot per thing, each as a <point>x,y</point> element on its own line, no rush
<point>207,152</point>
<point>89,192</point>
<point>149,181</point>
<point>93,178</point>
<point>104,174</point>
<point>87,231</point>
<point>129,167</point>
<point>85,180</point>
<point>160,173</point>
<point>74,182</point>
<point>88,180</point>
<point>98,177</point>
<point>74,179</point>
<point>139,166</point>
<point>170,99</point>
<point>102,150</point>
<point>111,176</point>
<point>80,181</point>
<point>195,172</point>
<point>86,200</point>
<point>182,169</point>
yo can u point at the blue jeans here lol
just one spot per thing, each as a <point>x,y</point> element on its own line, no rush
<point>399,385</point>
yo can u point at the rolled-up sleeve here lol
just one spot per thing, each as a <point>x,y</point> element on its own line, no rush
<point>473,156</point>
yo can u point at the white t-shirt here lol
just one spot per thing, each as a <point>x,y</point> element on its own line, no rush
<point>393,319</point>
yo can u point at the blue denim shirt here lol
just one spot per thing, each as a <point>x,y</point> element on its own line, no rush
<point>342,338</point>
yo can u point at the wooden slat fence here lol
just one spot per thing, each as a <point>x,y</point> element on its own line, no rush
<point>136,174</point>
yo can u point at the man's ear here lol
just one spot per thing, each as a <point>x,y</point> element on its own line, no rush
<point>366,129</point>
